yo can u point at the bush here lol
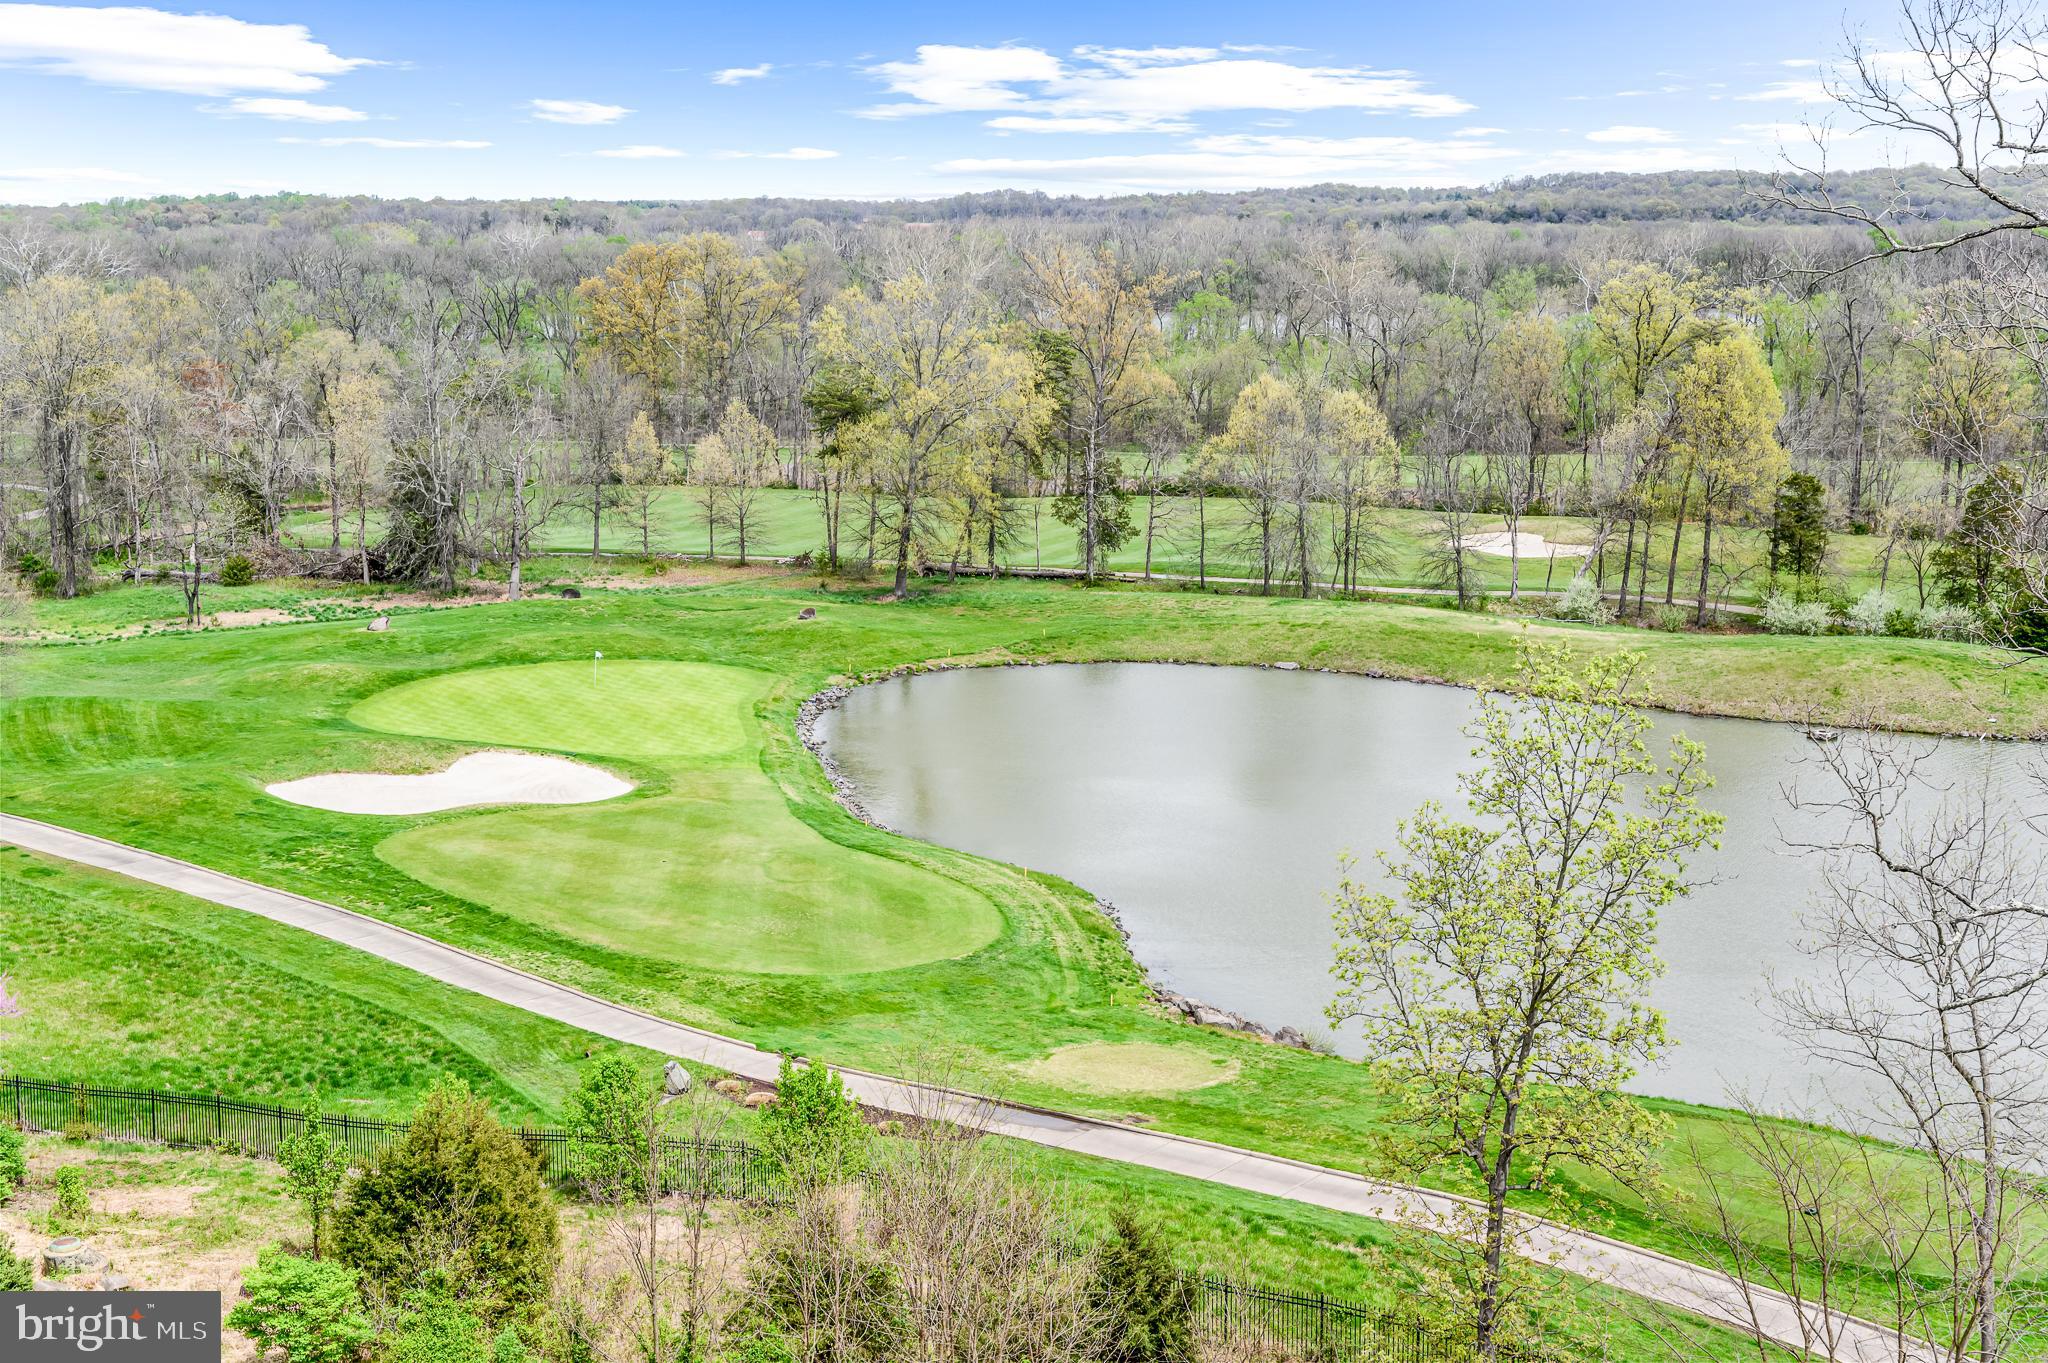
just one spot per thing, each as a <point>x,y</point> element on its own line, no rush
<point>435,1329</point>
<point>1873,612</point>
<point>459,1198</point>
<point>16,1273</point>
<point>508,1347</point>
<point>45,582</point>
<point>607,1120</point>
<point>308,1308</point>
<point>72,1206</point>
<point>1949,622</point>
<point>1143,1302</point>
<point>1784,615</point>
<point>314,1167</point>
<point>1581,600</point>
<point>13,1161</point>
<point>1673,619</point>
<point>813,1126</point>
<point>237,571</point>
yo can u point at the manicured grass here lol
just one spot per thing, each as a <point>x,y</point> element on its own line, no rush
<point>137,987</point>
<point>166,742</point>
<point>614,708</point>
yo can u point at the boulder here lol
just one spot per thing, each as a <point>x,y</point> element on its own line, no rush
<point>731,1088</point>
<point>571,594</point>
<point>1291,1036</point>
<point>1206,1016</point>
<point>675,1080</point>
<point>807,613</point>
<point>380,624</point>
<point>1287,667</point>
<point>759,1098</point>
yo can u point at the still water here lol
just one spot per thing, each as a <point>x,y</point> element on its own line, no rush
<point>1210,804</point>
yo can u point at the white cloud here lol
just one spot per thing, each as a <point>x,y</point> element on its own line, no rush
<point>153,49</point>
<point>71,184</point>
<point>793,154</point>
<point>733,75</point>
<point>287,110</point>
<point>1134,89</point>
<point>1629,132</point>
<point>640,152</point>
<point>1805,91</point>
<point>1479,132</point>
<point>579,111</point>
<point>1797,62</point>
<point>391,143</point>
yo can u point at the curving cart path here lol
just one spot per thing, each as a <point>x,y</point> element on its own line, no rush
<point>1645,1273</point>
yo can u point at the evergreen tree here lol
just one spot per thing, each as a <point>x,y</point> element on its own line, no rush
<point>1146,1309</point>
<point>1799,528</point>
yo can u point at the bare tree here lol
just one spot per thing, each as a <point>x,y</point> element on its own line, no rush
<point>1931,942</point>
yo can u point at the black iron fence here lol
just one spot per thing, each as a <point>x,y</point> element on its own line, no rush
<point>1311,1326</point>
<point>728,1169</point>
<point>1290,1325</point>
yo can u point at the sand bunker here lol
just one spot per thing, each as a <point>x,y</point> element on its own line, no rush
<point>482,778</point>
<point>1526,545</point>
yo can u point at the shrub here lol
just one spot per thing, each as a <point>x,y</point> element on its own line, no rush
<point>1784,615</point>
<point>16,1273</point>
<point>1141,1299</point>
<point>72,1206</point>
<point>435,1329</point>
<point>13,1161</point>
<point>1673,619</point>
<point>1903,623</point>
<point>1581,600</point>
<point>460,1198</point>
<point>237,571</point>
<point>1950,622</point>
<point>45,582</point>
<point>813,1126</point>
<point>308,1308</point>
<point>508,1347</point>
<point>1872,612</point>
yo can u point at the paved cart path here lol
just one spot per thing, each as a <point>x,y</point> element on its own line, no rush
<point>1643,1272</point>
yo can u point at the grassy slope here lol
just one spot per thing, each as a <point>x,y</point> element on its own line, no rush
<point>165,742</point>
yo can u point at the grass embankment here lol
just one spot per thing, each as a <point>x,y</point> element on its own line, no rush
<point>166,742</point>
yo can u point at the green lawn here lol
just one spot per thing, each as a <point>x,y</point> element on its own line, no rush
<point>167,741</point>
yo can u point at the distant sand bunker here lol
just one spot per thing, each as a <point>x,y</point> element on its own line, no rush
<point>482,778</point>
<point>1130,1067</point>
<point>1525,544</point>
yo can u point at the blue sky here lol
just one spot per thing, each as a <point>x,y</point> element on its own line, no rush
<point>689,100</point>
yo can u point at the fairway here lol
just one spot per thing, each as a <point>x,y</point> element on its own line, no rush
<point>615,708</point>
<point>716,873</point>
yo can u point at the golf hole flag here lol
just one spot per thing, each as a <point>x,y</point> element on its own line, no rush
<point>110,1327</point>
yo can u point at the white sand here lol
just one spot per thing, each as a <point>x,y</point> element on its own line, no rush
<point>1527,544</point>
<point>481,778</point>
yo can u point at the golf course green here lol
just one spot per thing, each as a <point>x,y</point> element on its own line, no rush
<point>713,872</point>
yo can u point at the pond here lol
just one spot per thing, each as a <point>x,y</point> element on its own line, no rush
<point>1209,804</point>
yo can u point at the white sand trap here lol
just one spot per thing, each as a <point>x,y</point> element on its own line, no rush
<point>1527,544</point>
<point>481,778</point>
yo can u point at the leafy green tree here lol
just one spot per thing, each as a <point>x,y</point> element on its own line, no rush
<point>607,1122</point>
<point>458,1202</point>
<point>1799,528</point>
<point>1503,990</point>
<point>308,1309</point>
<point>813,1128</point>
<point>1141,1298</point>
<point>314,1166</point>
<point>1971,564</point>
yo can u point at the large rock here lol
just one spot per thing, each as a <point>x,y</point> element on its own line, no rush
<point>807,613</point>
<point>380,624</point>
<point>759,1098</point>
<point>675,1080</point>
<point>69,1254</point>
